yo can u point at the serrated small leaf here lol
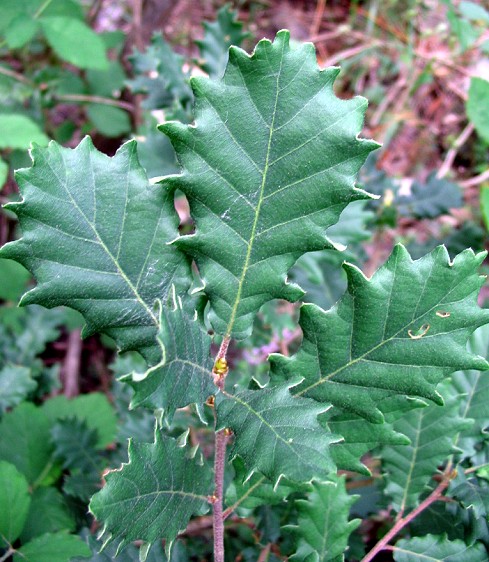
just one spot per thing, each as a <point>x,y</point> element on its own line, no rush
<point>277,434</point>
<point>154,495</point>
<point>323,528</point>
<point>16,383</point>
<point>129,554</point>
<point>399,333</point>
<point>410,468</point>
<point>48,513</point>
<point>433,548</point>
<point>472,391</point>
<point>52,547</point>
<point>94,409</point>
<point>472,493</point>
<point>430,199</point>
<point>82,485</point>
<point>361,436</point>
<point>15,501</point>
<point>75,444</point>
<point>27,427</point>
<point>159,75</point>
<point>272,116</point>
<point>184,374</point>
<point>95,237</point>
<point>258,490</point>
<point>219,35</point>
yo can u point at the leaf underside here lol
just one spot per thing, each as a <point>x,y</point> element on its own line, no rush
<point>267,168</point>
<point>399,333</point>
<point>95,237</point>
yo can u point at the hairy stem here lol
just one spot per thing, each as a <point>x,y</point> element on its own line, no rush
<point>217,515</point>
<point>435,495</point>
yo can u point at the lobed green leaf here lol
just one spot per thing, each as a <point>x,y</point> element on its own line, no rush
<point>267,168</point>
<point>153,496</point>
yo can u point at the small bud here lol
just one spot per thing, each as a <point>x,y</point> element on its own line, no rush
<point>220,367</point>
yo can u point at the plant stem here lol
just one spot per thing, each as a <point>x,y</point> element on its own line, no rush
<point>401,523</point>
<point>8,554</point>
<point>42,8</point>
<point>217,515</point>
<point>96,99</point>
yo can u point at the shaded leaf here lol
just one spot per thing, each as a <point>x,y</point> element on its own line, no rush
<point>219,35</point>
<point>13,280</point>
<point>95,237</point>
<point>27,427</point>
<point>277,434</point>
<point>15,501</point>
<point>410,468</point>
<point>430,199</point>
<point>361,436</point>
<point>471,389</point>
<point>73,41</point>
<point>75,444</point>
<point>52,547</point>
<point>110,121</point>
<point>323,528</point>
<point>15,384</point>
<point>258,490</point>
<point>19,131</point>
<point>273,116</point>
<point>154,495</point>
<point>471,492</point>
<point>477,106</point>
<point>438,549</point>
<point>82,485</point>
<point>48,513</point>
<point>94,409</point>
<point>399,333</point>
<point>184,374</point>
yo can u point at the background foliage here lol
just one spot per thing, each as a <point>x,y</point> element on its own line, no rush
<point>115,70</point>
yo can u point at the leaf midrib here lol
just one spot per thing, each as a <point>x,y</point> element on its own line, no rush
<point>102,243</point>
<point>244,271</point>
<point>380,344</point>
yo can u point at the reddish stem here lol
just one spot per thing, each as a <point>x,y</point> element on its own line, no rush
<point>401,523</point>
<point>217,515</point>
